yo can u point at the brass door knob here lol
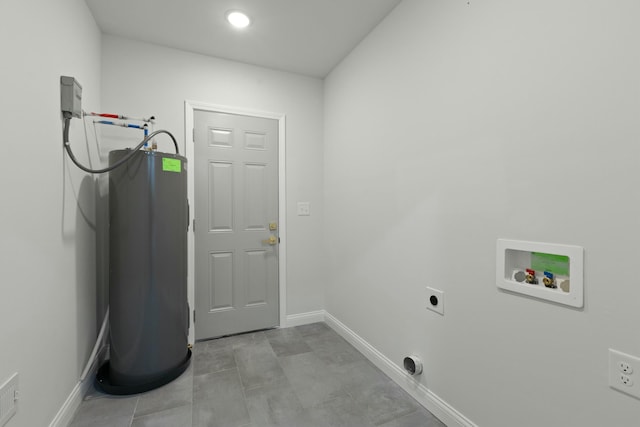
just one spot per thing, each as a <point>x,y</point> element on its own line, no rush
<point>272,240</point>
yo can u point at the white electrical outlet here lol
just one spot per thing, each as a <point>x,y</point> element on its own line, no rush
<point>625,367</point>
<point>626,380</point>
<point>435,300</point>
<point>623,374</point>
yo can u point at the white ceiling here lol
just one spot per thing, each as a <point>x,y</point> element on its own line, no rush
<point>308,37</point>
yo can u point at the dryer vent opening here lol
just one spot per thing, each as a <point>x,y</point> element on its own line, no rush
<point>413,365</point>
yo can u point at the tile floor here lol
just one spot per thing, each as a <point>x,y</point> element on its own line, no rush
<point>307,376</point>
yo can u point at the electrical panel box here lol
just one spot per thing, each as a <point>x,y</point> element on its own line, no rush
<point>71,96</point>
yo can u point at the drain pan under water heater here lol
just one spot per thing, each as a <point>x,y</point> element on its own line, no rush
<point>149,322</point>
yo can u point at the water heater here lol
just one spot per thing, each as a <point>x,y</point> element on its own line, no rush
<point>149,314</point>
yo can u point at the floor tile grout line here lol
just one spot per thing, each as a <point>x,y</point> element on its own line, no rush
<point>216,372</point>
<point>133,414</point>
<point>244,398</point>
<point>244,395</point>
<point>152,414</point>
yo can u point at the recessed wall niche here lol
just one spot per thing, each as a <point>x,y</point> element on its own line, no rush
<point>547,271</point>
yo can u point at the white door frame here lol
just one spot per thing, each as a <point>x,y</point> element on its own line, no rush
<point>189,107</point>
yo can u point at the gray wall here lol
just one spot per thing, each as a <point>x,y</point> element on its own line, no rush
<point>48,247</point>
<point>453,125</point>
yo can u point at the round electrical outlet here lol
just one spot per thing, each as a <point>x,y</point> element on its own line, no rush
<point>436,300</point>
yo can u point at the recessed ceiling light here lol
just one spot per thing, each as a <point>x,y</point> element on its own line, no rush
<point>238,19</point>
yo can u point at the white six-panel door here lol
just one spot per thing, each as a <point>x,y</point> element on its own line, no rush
<point>236,229</point>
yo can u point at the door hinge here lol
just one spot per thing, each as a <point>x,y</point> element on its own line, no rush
<point>193,135</point>
<point>194,317</point>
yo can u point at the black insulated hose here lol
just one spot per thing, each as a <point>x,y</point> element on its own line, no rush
<point>67,146</point>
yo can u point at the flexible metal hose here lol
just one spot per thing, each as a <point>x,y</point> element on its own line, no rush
<point>67,146</point>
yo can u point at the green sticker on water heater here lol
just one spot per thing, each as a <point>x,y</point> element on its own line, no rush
<point>171,165</point>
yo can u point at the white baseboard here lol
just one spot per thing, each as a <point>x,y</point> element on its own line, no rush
<point>438,407</point>
<point>66,413</point>
<point>68,410</point>
<point>304,318</point>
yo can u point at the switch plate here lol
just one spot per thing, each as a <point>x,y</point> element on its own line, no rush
<point>435,300</point>
<point>8,399</point>
<point>623,373</point>
<point>304,208</point>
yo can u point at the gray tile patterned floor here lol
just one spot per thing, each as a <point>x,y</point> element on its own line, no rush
<point>307,376</point>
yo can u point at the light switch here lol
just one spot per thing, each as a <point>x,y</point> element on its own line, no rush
<point>304,209</point>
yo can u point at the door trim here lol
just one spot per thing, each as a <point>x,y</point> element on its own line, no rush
<point>189,108</point>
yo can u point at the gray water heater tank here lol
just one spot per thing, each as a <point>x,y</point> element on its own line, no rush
<point>149,322</point>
